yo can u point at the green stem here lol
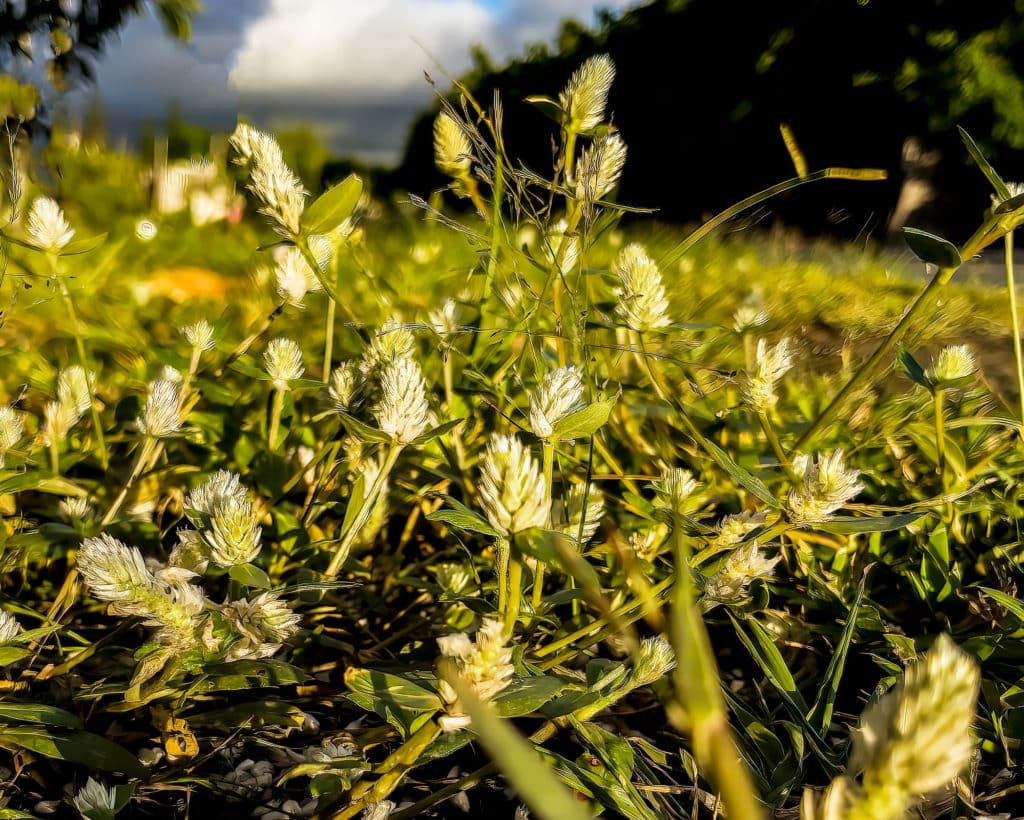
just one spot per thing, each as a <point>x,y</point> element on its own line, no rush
<point>985,235</point>
<point>332,307</point>
<point>349,536</point>
<point>449,398</point>
<point>276,405</point>
<point>940,437</point>
<point>515,593</point>
<point>76,332</point>
<point>538,576</point>
<point>776,445</point>
<point>142,458</point>
<point>1011,291</point>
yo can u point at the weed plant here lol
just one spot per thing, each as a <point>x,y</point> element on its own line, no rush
<point>488,491</point>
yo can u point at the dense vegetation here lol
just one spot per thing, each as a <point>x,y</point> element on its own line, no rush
<point>403,508</point>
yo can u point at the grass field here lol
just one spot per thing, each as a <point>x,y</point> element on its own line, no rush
<point>356,508</point>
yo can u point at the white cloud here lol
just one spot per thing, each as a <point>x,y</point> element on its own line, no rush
<point>354,51</point>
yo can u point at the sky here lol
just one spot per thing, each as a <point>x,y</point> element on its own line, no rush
<point>353,70</point>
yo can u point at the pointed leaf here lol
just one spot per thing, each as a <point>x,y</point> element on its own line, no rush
<point>933,249</point>
<point>83,748</point>
<point>333,206</point>
<point>994,179</point>
<point>584,422</point>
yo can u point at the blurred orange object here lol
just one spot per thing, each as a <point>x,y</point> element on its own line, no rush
<point>183,283</point>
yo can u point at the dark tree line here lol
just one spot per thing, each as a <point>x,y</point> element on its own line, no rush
<point>703,85</point>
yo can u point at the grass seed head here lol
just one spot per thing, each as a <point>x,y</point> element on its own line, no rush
<point>452,148</point>
<point>199,335</point>
<point>600,168</point>
<point>771,364</point>
<point>283,362</point>
<point>585,96</point>
<point>9,627</point>
<point>953,362</point>
<point>46,225</point>
<point>161,415</point>
<point>513,491</point>
<point>559,394</point>
<point>642,303</point>
<point>402,411</point>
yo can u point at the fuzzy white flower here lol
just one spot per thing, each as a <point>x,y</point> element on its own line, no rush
<point>283,362</point>
<point>117,573</point>
<point>282,196</point>
<point>9,627</point>
<point>642,303</point>
<point>953,362</point>
<point>600,168</point>
<point>445,320</point>
<point>220,486</point>
<point>76,509</point>
<point>585,96</point>
<point>12,430</point>
<point>654,660</point>
<point>744,565</point>
<point>732,529</point>
<point>344,382</point>
<point>253,145</point>
<point>403,411</point>
<point>58,419</point>
<point>73,388</point>
<point>771,364</point>
<point>673,488</point>
<point>826,485</point>
<point>393,341</point>
<point>161,416</point>
<point>46,225</point>
<point>95,801</point>
<point>559,394</point>
<point>264,622</point>
<point>293,276</point>
<point>485,664</point>
<point>233,532</point>
<point>452,148</point>
<point>199,335</point>
<point>513,491</point>
<point>576,515</point>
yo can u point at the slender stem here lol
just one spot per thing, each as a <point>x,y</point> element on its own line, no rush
<point>76,331</point>
<point>332,307</point>
<point>369,501</point>
<point>515,593</point>
<point>940,436</point>
<point>1011,290</point>
<point>449,399</point>
<point>142,458</point>
<point>773,440</point>
<point>989,231</point>
<point>249,340</point>
<point>538,576</point>
<point>276,405</point>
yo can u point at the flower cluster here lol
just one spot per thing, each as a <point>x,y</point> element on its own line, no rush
<point>826,485</point>
<point>226,521</point>
<point>559,394</point>
<point>642,304</point>
<point>280,193</point>
<point>771,364</point>
<point>486,664</point>
<point>513,490</point>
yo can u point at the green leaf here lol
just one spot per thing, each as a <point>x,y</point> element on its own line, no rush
<point>333,206</point>
<point>748,481</point>
<point>933,249</point>
<point>1008,206</point>
<point>40,481</point>
<point>584,422</point>
<point>763,649</point>
<point>12,654</point>
<point>363,432</point>
<point>1007,602</point>
<point>517,759</point>
<point>525,695</point>
<point>849,525</point>
<point>994,179</point>
<point>83,245</point>
<point>821,714</point>
<point>547,106</point>
<point>463,518</point>
<point>435,432</point>
<point>83,748</point>
<point>402,703</point>
<point>250,576</point>
<point>908,364</point>
<point>38,713</point>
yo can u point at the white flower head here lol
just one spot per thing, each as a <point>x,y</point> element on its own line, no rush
<point>585,96</point>
<point>161,416</point>
<point>732,529</point>
<point>452,148</point>
<point>917,737</point>
<point>12,429</point>
<point>513,491</point>
<point>344,382</point>
<point>75,509</point>
<point>233,531</point>
<point>953,363</point>
<point>293,276</point>
<point>445,320</point>
<point>9,627</point>
<point>95,801</point>
<point>600,168</point>
<point>58,419</point>
<point>485,664</point>
<point>282,195</point>
<point>403,411</point>
<point>199,335</point>
<point>654,660</point>
<point>73,388</point>
<point>220,486</point>
<point>393,341</point>
<point>265,622</point>
<point>283,362</point>
<point>46,225</point>
<point>559,394</point>
<point>673,488</point>
<point>826,485</point>
<point>582,509</point>
<point>253,145</point>
<point>642,303</point>
<point>772,363</point>
<point>743,566</point>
